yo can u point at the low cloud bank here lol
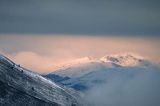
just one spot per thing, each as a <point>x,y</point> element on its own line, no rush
<point>31,60</point>
<point>141,89</point>
<point>36,62</point>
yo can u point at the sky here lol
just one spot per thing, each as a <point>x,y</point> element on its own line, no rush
<point>43,53</point>
<point>53,32</point>
<point>84,17</point>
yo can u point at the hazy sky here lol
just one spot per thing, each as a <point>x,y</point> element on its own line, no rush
<point>106,17</point>
<point>42,53</point>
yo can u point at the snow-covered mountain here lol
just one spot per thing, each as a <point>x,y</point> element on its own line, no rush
<point>108,61</point>
<point>21,87</point>
<point>86,75</point>
<point>123,60</point>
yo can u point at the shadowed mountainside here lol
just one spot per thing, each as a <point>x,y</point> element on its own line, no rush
<point>19,86</point>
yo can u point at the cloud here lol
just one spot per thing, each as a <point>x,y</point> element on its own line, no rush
<point>43,53</point>
<point>141,89</point>
<point>32,61</point>
<point>40,63</point>
<point>80,17</point>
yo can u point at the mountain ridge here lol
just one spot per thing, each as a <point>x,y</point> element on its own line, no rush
<point>18,82</point>
<point>84,76</point>
<point>108,61</point>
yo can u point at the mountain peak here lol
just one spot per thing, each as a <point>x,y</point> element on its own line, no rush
<point>123,59</point>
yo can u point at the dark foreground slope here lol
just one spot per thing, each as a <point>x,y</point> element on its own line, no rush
<point>20,87</point>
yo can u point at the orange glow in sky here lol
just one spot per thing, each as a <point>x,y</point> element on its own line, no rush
<point>44,53</point>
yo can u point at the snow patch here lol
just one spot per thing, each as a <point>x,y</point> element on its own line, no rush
<point>123,60</point>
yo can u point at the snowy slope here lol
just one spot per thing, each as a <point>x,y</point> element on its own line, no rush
<point>19,86</point>
<point>85,76</point>
<point>125,60</point>
<point>108,61</point>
